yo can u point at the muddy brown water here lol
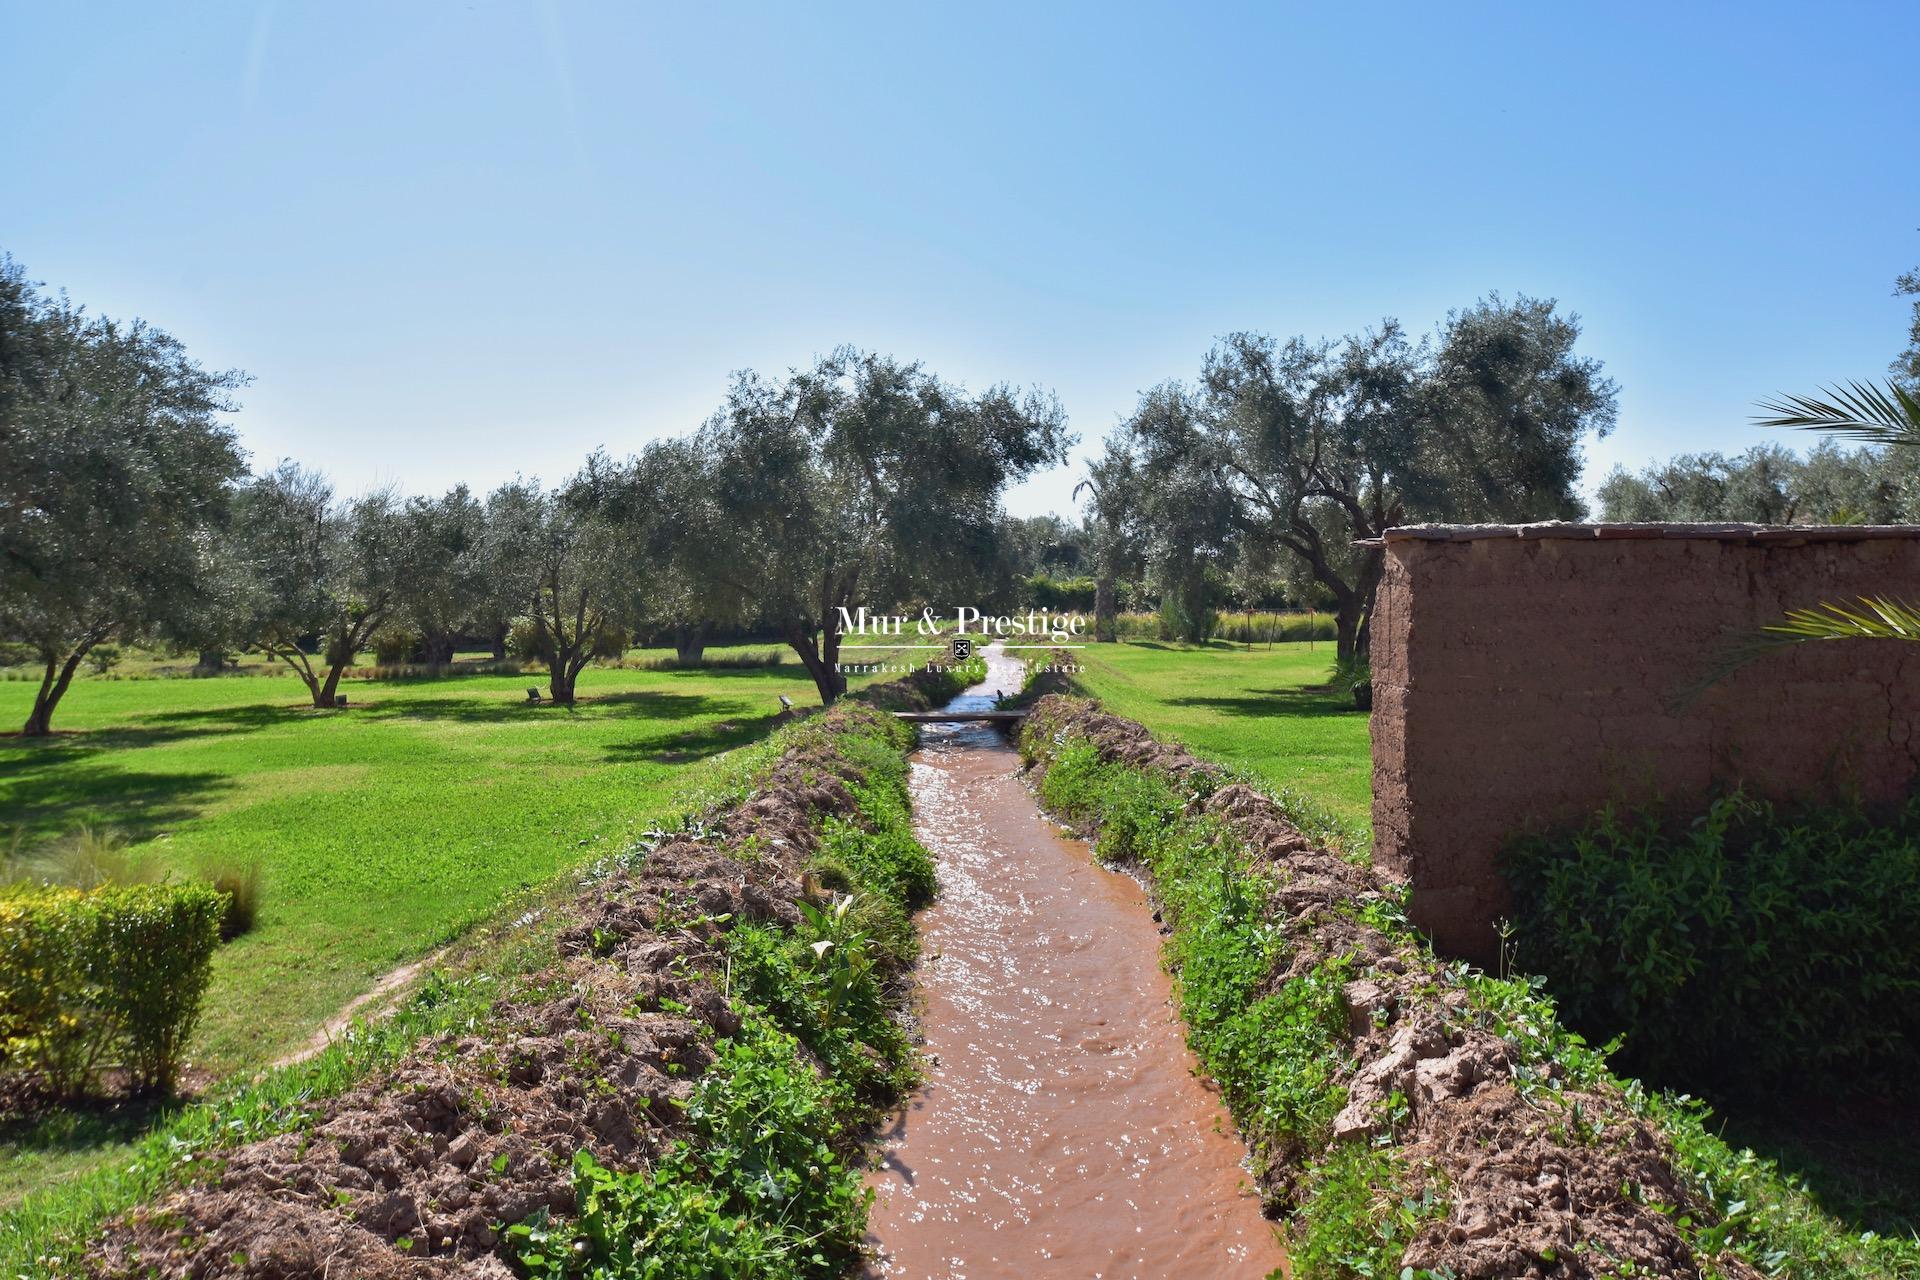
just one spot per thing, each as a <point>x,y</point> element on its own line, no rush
<point>1064,1128</point>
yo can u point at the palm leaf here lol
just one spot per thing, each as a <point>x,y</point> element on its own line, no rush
<point>1859,411</point>
<point>1876,619</point>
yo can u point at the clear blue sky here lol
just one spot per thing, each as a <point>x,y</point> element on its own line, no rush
<point>460,241</point>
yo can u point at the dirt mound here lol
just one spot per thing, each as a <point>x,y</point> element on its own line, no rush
<point>922,689</point>
<point>1563,1188</point>
<point>1057,717</point>
<point>412,1173</point>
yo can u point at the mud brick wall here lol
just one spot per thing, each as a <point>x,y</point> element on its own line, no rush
<point>1524,676</point>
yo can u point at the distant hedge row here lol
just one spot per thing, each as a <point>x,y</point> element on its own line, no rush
<point>1264,627</point>
<point>1747,947</point>
<point>104,977</point>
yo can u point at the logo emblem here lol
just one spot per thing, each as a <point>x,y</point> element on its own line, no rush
<point>962,648</point>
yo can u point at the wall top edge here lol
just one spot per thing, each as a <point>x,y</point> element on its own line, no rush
<point>1706,532</point>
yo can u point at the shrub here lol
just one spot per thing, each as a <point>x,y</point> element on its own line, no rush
<point>103,658</point>
<point>87,859</point>
<point>241,885</point>
<point>88,974</point>
<point>527,642</point>
<point>1743,948</point>
<point>1043,591</point>
<point>748,661</point>
<point>890,860</point>
<point>395,646</point>
<point>612,642</point>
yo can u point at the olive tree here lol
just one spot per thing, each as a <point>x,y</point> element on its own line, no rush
<point>691,555</point>
<point>445,541</point>
<point>576,568</point>
<point>115,471</point>
<point>865,480</point>
<point>325,574</point>
<point>1113,531</point>
<point>1769,484</point>
<point>1318,446</point>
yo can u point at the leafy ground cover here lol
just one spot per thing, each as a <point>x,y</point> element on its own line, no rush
<point>1268,711</point>
<point>1766,957</point>
<point>381,831</point>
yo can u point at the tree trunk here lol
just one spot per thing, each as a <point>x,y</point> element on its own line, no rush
<point>312,683</point>
<point>1183,609</point>
<point>211,660</point>
<point>341,649</point>
<point>689,642</point>
<point>800,637</point>
<point>830,656</point>
<point>561,673</point>
<point>1105,629</point>
<point>436,648</point>
<point>1346,628</point>
<point>1372,569</point>
<point>53,686</point>
<point>500,634</point>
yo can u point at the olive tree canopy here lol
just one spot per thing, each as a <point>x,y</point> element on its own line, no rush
<point>691,555</point>
<point>115,471</point>
<point>865,481</point>
<point>1319,445</point>
<point>573,562</point>
<point>323,575</point>
<point>1769,484</point>
<point>1113,531</point>
<point>450,587</point>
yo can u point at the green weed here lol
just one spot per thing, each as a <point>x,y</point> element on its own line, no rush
<point>1746,948</point>
<point>760,1188</point>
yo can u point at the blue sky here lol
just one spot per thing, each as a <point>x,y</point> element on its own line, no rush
<point>463,241</point>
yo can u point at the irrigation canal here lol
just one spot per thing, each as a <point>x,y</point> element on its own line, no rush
<point>1063,1130</point>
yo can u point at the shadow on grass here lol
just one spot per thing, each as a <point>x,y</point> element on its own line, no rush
<point>45,799</point>
<point>43,1142</point>
<point>1204,646</point>
<point>650,704</point>
<point>697,745</point>
<point>1312,701</point>
<point>151,729</point>
<point>45,1127</point>
<point>1860,1157</point>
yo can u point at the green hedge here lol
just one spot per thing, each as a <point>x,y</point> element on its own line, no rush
<point>108,976</point>
<point>1744,948</point>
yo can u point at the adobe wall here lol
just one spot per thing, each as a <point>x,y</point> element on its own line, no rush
<point>1523,676</point>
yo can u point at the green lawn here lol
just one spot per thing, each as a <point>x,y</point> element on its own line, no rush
<point>1263,710</point>
<point>381,830</point>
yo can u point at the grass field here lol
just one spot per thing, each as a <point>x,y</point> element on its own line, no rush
<point>381,831</point>
<point>1267,711</point>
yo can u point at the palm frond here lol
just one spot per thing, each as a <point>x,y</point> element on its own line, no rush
<point>1876,619</point>
<point>1860,410</point>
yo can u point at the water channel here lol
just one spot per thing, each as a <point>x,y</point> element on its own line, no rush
<point>1064,1128</point>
